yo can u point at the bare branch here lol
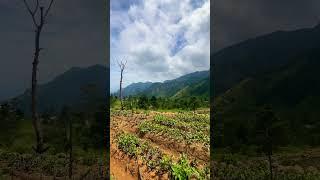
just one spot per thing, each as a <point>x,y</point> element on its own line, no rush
<point>48,9</point>
<point>36,8</point>
<point>124,64</point>
<point>32,13</point>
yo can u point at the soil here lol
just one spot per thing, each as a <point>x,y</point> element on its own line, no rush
<point>124,167</point>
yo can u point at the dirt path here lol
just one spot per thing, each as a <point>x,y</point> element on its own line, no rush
<point>118,170</point>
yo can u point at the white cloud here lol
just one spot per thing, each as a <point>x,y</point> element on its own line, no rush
<point>161,39</point>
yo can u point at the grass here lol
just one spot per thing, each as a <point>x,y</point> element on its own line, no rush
<point>23,138</point>
<point>19,156</point>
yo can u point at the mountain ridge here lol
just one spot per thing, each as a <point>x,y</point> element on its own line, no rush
<point>171,88</point>
<point>260,55</point>
<point>66,89</point>
<point>279,70</point>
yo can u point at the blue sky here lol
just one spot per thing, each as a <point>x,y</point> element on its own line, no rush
<point>159,39</point>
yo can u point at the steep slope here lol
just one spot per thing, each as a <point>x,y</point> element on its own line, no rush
<point>135,88</point>
<point>200,89</point>
<point>70,88</point>
<point>261,55</point>
<point>293,92</point>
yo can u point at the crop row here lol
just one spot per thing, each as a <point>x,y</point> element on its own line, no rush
<point>174,133</point>
<point>191,117</point>
<point>186,126</point>
<point>154,159</point>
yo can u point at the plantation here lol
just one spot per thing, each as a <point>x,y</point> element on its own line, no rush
<point>160,145</point>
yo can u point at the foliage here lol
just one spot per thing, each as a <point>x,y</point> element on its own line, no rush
<point>178,129</point>
<point>160,103</point>
<point>183,170</point>
<point>129,144</point>
<point>153,158</point>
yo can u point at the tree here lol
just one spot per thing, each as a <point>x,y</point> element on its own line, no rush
<point>122,66</point>
<point>39,20</point>
<point>194,103</point>
<point>143,102</point>
<point>65,115</point>
<point>271,132</point>
<point>154,102</point>
<point>113,101</point>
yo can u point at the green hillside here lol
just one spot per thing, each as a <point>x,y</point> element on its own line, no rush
<point>290,86</point>
<point>193,84</point>
<point>261,55</point>
<point>71,88</point>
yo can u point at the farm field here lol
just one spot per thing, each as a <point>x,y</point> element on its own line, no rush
<point>159,145</point>
<point>288,163</point>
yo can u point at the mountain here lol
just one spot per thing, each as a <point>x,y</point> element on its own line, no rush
<point>260,55</point>
<point>135,88</point>
<point>193,84</point>
<point>70,88</point>
<point>280,70</point>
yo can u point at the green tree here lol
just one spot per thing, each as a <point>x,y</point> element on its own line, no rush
<point>154,102</point>
<point>194,103</point>
<point>143,102</point>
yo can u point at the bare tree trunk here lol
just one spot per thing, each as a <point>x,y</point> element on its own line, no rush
<point>122,66</point>
<point>70,150</point>
<point>121,77</point>
<point>38,24</point>
<point>35,119</point>
<point>269,151</point>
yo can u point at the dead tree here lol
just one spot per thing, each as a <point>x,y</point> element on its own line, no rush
<point>39,20</point>
<point>70,150</point>
<point>122,66</point>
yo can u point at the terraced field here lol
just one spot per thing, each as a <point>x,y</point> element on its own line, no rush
<point>160,145</point>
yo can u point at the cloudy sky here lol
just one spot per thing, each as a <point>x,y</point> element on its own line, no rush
<point>73,37</point>
<point>159,39</point>
<point>238,20</point>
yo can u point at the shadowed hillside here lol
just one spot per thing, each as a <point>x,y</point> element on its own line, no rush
<point>67,89</point>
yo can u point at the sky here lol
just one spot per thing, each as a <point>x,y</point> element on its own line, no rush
<point>159,39</point>
<point>170,36</point>
<point>73,36</point>
<point>235,21</point>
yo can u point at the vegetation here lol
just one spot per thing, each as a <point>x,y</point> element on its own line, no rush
<point>176,129</point>
<point>80,154</point>
<point>193,84</point>
<point>156,125</point>
<point>286,166</point>
<point>161,103</point>
<point>268,106</point>
<point>154,158</point>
